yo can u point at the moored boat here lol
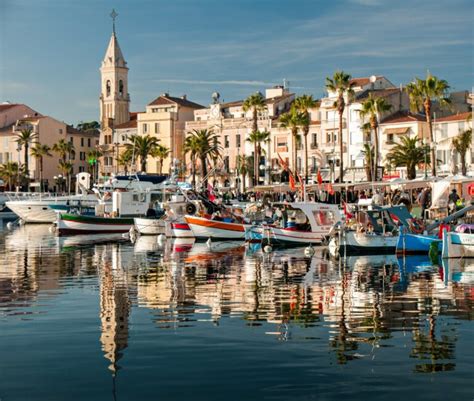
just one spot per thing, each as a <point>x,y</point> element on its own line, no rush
<point>204,228</point>
<point>80,224</point>
<point>460,243</point>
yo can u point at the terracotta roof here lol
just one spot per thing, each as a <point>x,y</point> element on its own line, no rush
<point>315,122</point>
<point>134,114</point>
<point>454,117</point>
<point>403,117</point>
<point>128,124</point>
<point>7,106</point>
<point>363,80</point>
<point>376,93</point>
<point>232,104</point>
<point>162,100</point>
<point>32,118</point>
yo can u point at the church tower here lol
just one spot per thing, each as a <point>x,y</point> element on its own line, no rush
<point>114,98</point>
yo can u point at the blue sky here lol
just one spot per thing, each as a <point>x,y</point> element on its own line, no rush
<point>50,50</point>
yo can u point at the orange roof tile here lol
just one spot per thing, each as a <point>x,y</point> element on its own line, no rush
<point>455,117</point>
<point>402,117</point>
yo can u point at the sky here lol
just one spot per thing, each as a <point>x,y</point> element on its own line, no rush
<point>51,50</point>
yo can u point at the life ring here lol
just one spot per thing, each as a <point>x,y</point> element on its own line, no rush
<point>191,208</point>
<point>417,226</point>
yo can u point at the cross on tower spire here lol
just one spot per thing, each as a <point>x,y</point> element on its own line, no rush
<point>113,15</point>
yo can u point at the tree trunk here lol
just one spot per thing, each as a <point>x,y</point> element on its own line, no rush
<point>306,132</point>
<point>293,162</point>
<point>143,164</point>
<point>341,148</point>
<point>427,106</point>
<point>376,153</point>
<point>463,163</point>
<point>243,182</point>
<point>193,161</point>
<point>255,165</point>
<point>255,122</point>
<point>204,171</point>
<point>41,173</point>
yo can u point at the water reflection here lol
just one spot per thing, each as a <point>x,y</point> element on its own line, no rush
<point>359,306</point>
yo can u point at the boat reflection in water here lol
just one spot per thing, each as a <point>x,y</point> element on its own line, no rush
<point>355,307</point>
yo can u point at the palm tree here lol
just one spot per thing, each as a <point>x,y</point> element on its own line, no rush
<point>341,84</point>
<point>408,153</point>
<point>462,143</point>
<point>207,147</point>
<point>422,93</point>
<point>93,160</point>
<point>39,152</point>
<point>24,138</point>
<point>66,169</point>
<point>64,148</point>
<point>244,165</point>
<point>142,146</point>
<point>256,138</point>
<point>293,120</point>
<point>124,159</point>
<point>161,153</point>
<point>256,103</point>
<point>191,145</point>
<point>9,172</point>
<point>372,108</point>
<point>88,126</point>
<point>304,103</point>
<point>368,151</point>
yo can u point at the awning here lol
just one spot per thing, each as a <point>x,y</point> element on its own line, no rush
<point>398,131</point>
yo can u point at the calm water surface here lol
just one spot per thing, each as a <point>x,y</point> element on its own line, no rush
<point>83,318</point>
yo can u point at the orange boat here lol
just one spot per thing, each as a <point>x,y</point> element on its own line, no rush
<point>204,228</point>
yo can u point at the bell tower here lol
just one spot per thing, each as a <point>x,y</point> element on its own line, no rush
<point>114,97</point>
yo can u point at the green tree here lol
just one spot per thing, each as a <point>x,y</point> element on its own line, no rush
<point>24,139</point>
<point>257,138</point>
<point>65,149</point>
<point>191,146</point>
<point>161,153</point>
<point>207,148</point>
<point>408,153</point>
<point>125,159</point>
<point>244,166</point>
<point>93,157</point>
<point>39,152</point>
<point>422,93</point>
<point>66,168</point>
<point>372,108</point>
<point>462,143</point>
<point>256,103</point>
<point>369,159</point>
<point>9,173</point>
<point>143,146</point>
<point>341,84</point>
<point>293,120</point>
<point>88,126</point>
<point>303,104</point>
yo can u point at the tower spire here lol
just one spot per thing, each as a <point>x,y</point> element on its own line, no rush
<point>113,15</point>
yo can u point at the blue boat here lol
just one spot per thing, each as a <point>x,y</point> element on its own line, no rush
<point>412,244</point>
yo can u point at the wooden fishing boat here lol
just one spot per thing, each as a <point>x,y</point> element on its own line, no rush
<point>204,228</point>
<point>460,243</point>
<point>68,224</point>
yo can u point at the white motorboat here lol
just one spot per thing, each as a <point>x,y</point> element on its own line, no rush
<point>459,244</point>
<point>224,229</point>
<point>375,232</point>
<point>150,225</point>
<point>306,223</point>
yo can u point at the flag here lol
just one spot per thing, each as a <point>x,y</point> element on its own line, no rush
<point>320,177</point>
<point>330,189</point>
<point>344,208</point>
<point>301,183</point>
<point>292,182</point>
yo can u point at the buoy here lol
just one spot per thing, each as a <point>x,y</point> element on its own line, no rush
<point>267,249</point>
<point>209,243</point>
<point>51,228</point>
<point>9,225</point>
<point>309,250</point>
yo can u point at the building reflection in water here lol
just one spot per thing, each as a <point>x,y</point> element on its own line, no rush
<point>360,305</point>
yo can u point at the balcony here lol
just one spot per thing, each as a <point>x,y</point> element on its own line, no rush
<point>313,146</point>
<point>25,126</point>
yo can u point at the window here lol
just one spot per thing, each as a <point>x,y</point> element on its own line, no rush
<point>71,139</point>
<point>60,130</point>
<point>324,218</point>
<point>145,128</point>
<point>121,88</point>
<point>157,128</point>
<point>82,141</point>
<point>461,126</point>
<point>1,158</point>
<point>226,163</point>
<point>444,130</point>
<point>237,140</point>
<point>88,142</point>
<point>72,156</point>
<point>390,138</point>
<point>81,169</point>
<point>82,155</point>
<point>314,142</point>
<point>107,88</point>
<point>226,141</point>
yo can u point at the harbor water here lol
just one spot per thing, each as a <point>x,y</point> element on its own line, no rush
<point>101,318</point>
